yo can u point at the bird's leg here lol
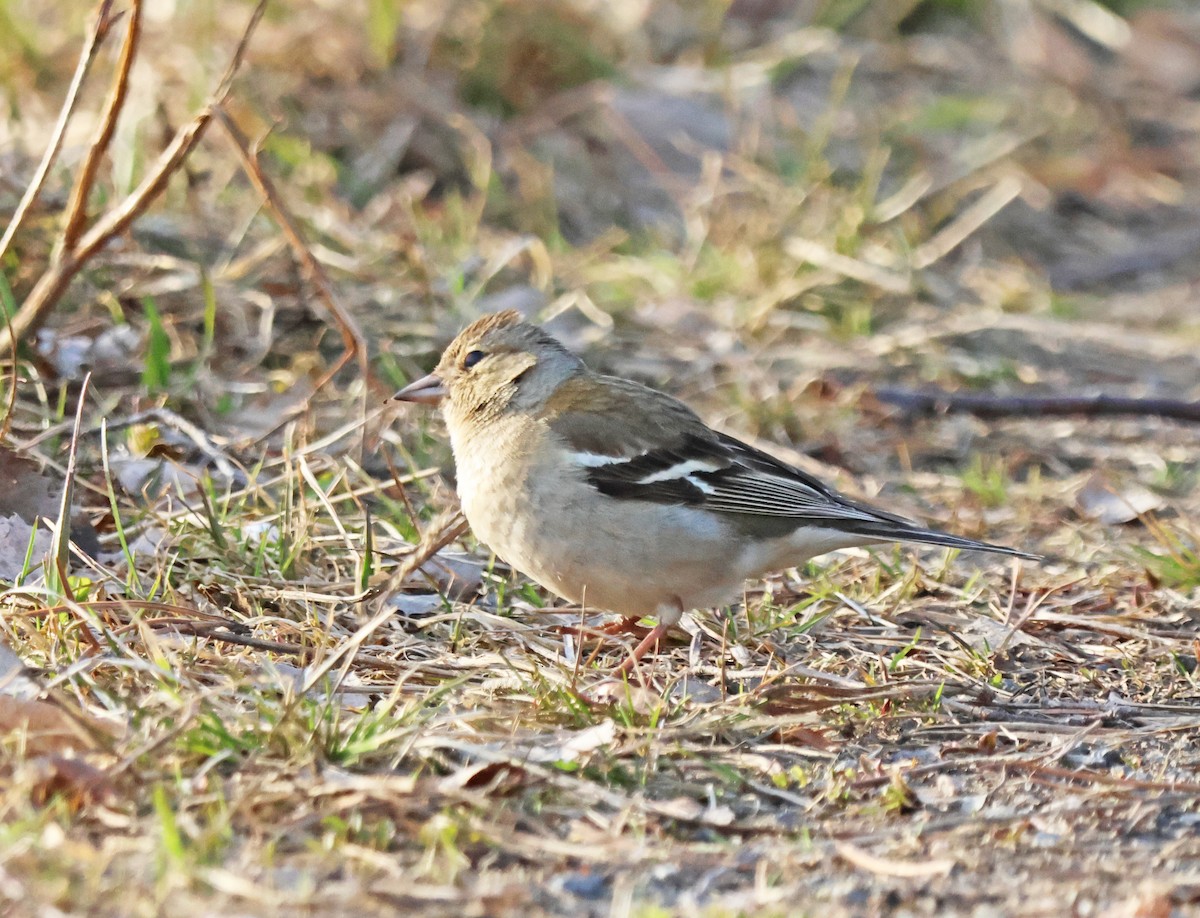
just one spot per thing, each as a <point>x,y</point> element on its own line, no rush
<point>626,625</point>
<point>669,615</point>
<point>657,633</point>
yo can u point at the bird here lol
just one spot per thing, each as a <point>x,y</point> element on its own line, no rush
<point>617,496</point>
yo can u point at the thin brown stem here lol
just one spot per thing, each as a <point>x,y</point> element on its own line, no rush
<point>999,406</point>
<point>352,336</point>
<point>86,178</point>
<point>58,276</point>
<point>434,540</point>
<point>101,24</point>
<point>10,404</point>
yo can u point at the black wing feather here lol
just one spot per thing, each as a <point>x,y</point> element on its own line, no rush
<point>663,453</point>
<point>745,481</point>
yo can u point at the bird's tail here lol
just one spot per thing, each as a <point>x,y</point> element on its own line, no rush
<point>901,530</point>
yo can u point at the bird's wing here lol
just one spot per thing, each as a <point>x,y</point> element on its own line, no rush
<point>634,443</point>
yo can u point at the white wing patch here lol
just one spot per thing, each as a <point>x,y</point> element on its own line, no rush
<point>595,460</point>
<point>720,474</point>
<point>680,471</point>
<point>685,470</point>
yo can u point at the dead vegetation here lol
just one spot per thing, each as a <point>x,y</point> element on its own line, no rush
<point>251,662</point>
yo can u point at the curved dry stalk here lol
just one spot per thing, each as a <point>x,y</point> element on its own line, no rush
<point>352,336</point>
<point>62,269</point>
<point>10,402</point>
<point>435,538</point>
<point>77,207</point>
<point>100,27</point>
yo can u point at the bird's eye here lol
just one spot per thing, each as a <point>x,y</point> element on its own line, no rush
<point>472,358</point>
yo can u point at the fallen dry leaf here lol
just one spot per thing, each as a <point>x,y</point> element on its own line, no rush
<point>576,745</point>
<point>493,777</point>
<point>26,494</point>
<point>24,490</point>
<point>45,728</point>
<point>688,809</point>
<point>74,780</point>
<point>15,536</point>
<point>1113,505</point>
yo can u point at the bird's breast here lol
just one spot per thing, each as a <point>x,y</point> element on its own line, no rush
<point>539,514</point>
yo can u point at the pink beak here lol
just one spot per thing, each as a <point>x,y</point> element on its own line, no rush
<point>428,390</point>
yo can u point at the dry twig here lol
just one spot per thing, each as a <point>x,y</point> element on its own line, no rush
<point>73,253</point>
<point>352,336</point>
<point>101,24</point>
<point>985,405</point>
<point>77,207</point>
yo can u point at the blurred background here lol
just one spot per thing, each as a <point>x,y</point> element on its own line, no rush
<point>1018,156</point>
<point>752,175</point>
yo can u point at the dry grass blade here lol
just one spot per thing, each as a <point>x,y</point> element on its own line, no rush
<point>806,250</point>
<point>10,397</point>
<point>990,203</point>
<point>887,867</point>
<point>58,275</point>
<point>102,21</point>
<point>352,337</point>
<point>86,177</point>
<point>62,528</point>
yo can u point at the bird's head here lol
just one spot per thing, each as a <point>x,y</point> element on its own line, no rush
<point>497,363</point>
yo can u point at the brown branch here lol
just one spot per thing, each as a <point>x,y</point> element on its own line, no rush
<point>140,605</point>
<point>352,336</point>
<point>77,207</point>
<point>1037,406</point>
<point>216,633</point>
<point>100,27</point>
<point>58,276</point>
